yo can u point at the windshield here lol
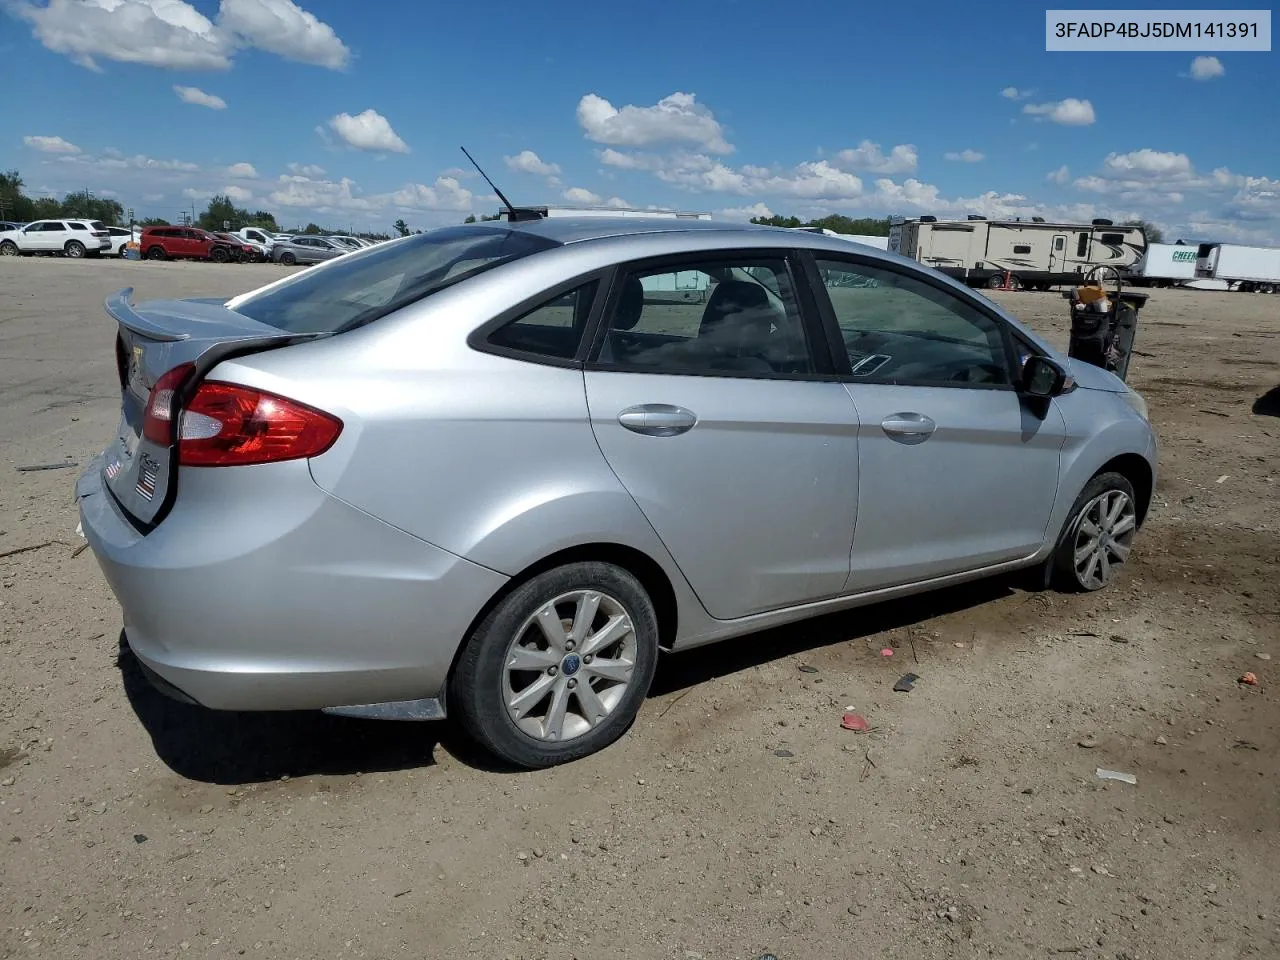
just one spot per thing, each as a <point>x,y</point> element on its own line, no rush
<point>359,288</point>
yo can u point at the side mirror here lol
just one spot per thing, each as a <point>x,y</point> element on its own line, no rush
<point>1042,377</point>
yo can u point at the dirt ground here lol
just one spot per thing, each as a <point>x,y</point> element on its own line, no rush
<point>736,818</point>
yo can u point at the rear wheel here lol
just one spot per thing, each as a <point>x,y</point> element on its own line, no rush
<point>8,249</point>
<point>156,253</point>
<point>1099,534</point>
<point>74,249</point>
<point>559,668</point>
<point>288,259</point>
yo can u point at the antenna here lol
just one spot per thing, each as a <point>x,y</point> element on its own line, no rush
<point>505,202</point>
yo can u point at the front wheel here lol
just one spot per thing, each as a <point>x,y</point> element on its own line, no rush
<point>1099,534</point>
<point>559,668</point>
<point>74,249</point>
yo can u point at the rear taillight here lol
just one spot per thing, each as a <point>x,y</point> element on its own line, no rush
<point>157,422</point>
<point>226,424</point>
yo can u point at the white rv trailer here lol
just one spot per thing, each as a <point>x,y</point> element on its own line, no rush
<point>1037,254</point>
<point>1245,268</point>
<point>1164,265</point>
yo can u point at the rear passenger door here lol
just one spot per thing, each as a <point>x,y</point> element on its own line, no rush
<point>711,396</point>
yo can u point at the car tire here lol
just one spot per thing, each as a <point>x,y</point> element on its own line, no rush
<point>218,255</point>
<point>288,259</point>
<point>538,717</point>
<point>74,249</point>
<point>156,253</point>
<point>1098,535</point>
<point>8,249</point>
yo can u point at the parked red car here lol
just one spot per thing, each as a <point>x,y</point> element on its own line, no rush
<point>191,243</point>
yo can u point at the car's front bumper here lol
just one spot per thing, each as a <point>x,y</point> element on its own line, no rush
<point>259,591</point>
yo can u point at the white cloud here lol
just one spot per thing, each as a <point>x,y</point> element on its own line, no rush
<point>1060,176</point>
<point>526,161</point>
<point>195,95</point>
<point>306,169</point>
<point>869,157</point>
<point>1206,68</point>
<point>678,118</point>
<point>237,194</point>
<point>158,33</point>
<point>283,28</point>
<point>745,213</point>
<point>1148,164</point>
<point>445,194</point>
<point>368,131</point>
<point>583,196</point>
<point>811,180</point>
<point>242,171</point>
<point>1071,112</point>
<point>174,34</point>
<point>51,145</point>
<point>1013,93</point>
<point>964,156</point>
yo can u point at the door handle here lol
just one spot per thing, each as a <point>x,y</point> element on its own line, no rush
<point>908,427</point>
<point>657,419</point>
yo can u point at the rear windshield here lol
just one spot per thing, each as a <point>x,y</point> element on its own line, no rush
<point>361,287</point>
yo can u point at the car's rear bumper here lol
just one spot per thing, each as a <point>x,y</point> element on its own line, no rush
<point>260,591</point>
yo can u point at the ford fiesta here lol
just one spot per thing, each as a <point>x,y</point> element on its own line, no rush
<point>493,470</point>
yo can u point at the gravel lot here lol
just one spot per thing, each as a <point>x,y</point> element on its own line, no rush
<point>736,818</point>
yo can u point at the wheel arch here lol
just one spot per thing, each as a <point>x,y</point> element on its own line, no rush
<point>1134,468</point>
<point>639,564</point>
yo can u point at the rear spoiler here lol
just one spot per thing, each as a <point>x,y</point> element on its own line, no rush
<point>119,305</point>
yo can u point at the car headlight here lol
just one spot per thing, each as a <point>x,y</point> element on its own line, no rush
<point>1137,402</point>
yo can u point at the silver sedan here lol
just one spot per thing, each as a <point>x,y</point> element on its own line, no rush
<point>495,469</point>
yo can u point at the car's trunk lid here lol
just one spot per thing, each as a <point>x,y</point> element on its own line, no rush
<point>153,340</point>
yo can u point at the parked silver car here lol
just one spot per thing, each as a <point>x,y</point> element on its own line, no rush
<point>497,468</point>
<point>306,250</point>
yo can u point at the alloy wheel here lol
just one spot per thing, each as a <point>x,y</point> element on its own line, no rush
<point>1104,537</point>
<point>569,665</point>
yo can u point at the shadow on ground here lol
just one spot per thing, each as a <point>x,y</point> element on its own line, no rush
<point>225,747</point>
<point>683,670</point>
<point>1268,405</point>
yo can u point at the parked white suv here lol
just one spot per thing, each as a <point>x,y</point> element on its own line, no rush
<point>74,238</point>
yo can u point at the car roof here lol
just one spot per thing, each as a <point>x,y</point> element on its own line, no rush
<point>577,229</point>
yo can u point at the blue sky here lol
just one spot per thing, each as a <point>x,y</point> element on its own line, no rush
<point>352,113</point>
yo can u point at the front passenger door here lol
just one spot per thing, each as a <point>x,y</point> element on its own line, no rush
<point>956,472</point>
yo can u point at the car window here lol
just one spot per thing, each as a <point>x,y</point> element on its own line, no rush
<point>79,226</point>
<point>357,290</point>
<point>553,329</point>
<point>97,225</point>
<point>899,329</point>
<point>726,316</point>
